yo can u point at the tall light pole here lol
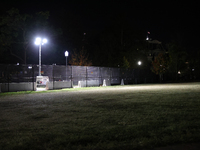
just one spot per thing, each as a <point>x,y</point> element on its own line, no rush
<point>40,42</point>
<point>66,55</point>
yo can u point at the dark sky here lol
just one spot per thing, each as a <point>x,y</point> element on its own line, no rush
<point>165,20</point>
<point>159,17</point>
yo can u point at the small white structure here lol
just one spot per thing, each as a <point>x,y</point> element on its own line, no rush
<point>122,82</point>
<point>79,84</point>
<point>104,82</point>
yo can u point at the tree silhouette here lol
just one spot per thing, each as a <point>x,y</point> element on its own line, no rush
<point>80,58</point>
<point>16,31</point>
<point>125,64</point>
<point>178,57</point>
<point>160,65</point>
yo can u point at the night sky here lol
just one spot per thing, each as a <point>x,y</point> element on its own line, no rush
<point>165,20</point>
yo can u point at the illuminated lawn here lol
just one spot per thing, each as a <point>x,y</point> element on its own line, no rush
<point>120,117</point>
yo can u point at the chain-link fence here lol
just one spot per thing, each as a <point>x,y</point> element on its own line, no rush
<point>23,77</point>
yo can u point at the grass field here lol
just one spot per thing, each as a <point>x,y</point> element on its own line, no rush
<point>118,117</point>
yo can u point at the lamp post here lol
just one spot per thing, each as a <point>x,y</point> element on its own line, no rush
<point>66,55</point>
<point>40,42</point>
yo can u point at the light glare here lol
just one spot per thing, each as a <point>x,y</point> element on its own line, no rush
<point>44,40</point>
<point>39,41</point>
<point>66,53</point>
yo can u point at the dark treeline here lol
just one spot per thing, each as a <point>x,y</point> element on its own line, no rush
<point>117,42</point>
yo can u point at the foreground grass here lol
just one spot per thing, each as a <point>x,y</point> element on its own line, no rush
<point>129,117</point>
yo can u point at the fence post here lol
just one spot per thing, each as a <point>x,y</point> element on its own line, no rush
<point>8,74</point>
<point>99,75</point>
<point>53,75</point>
<point>71,77</point>
<point>86,76</point>
<point>33,76</point>
<point>110,76</point>
<point>66,71</point>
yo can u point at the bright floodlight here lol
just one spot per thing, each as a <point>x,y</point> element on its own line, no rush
<point>139,62</point>
<point>44,40</point>
<point>66,53</point>
<point>38,41</point>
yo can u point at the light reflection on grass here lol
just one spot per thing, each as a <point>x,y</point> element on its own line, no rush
<point>118,117</point>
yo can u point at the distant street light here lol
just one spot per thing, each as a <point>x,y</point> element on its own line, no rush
<point>66,55</point>
<point>137,80</point>
<point>139,63</point>
<point>40,42</point>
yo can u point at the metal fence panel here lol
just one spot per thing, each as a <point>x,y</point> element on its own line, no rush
<point>92,78</point>
<point>16,73</point>
<point>105,76</point>
<point>128,75</point>
<point>67,76</point>
<point>46,70</point>
<point>59,73</point>
<point>3,73</point>
<point>115,76</point>
<point>78,74</point>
